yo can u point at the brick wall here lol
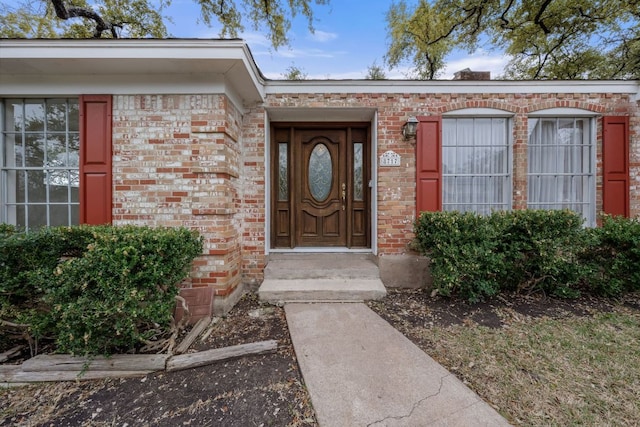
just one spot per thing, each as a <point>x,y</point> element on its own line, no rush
<point>396,186</point>
<point>196,161</point>
<point>253,215</point>
<point>176,162</point>
<point>634,161</point>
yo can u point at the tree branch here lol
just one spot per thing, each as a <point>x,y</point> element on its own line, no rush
<point>550,54</point>
<point>65,13</point>
<point>538,19</point>
<point>503,18</point>
<point>453,28</point>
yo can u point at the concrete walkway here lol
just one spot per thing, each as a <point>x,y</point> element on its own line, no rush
<point>360,371</point>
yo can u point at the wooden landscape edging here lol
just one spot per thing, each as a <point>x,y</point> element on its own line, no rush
<point>11,353</point>
<point>63,367</point>
<point>120,362</point>
<point>201,358</point>
<point>15,374</point>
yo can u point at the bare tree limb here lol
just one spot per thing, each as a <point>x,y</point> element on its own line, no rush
<point>503,17</point>
<point>64,12</point>
<point>13,325</point>
<point>538,17</point>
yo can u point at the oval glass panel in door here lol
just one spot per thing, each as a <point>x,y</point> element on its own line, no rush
<point>320,172</point>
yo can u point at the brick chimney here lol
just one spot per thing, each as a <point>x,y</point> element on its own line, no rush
<point>467,74</point>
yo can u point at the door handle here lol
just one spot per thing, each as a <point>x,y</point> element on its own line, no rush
<point>344,195</point>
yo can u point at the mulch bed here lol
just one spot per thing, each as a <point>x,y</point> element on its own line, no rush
<point>264,390</point>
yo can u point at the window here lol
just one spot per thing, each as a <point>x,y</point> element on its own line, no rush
<point>561,165</point>
<point>39,162</point>
<point>476,171</point>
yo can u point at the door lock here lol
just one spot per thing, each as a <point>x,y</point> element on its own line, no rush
<point>344,195</point>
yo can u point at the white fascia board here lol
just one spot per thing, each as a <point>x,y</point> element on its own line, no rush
<point>144,57</point>
<point>122,49</point>
<point>452,86</point>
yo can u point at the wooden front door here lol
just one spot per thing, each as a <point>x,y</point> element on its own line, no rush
<point>320,186</point>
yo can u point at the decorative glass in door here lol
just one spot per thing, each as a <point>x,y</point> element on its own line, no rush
<point>320,172</point>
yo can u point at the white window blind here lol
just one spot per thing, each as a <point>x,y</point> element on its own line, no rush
<point>476,172</point>
<point>561,165</point>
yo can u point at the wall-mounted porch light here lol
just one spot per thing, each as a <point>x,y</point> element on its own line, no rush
<point>410,129</point>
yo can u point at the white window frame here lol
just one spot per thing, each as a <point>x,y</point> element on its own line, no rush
<point>481,208</point>
<point>588,201</point>
<point>54,172</point>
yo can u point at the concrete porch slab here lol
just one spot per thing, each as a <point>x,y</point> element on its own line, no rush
<point>321,266</point>
<point>332,289</point>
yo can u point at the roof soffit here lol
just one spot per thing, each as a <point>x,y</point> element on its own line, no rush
<point>229,58</point>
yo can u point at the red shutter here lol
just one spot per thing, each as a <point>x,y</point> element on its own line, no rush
<point>615,165</point>
<point>429,164</point>
<point>95,159</point>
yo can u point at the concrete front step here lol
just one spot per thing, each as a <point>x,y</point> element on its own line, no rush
<point>296,266</point>
<point>316,290</point>
<point>321,277</point>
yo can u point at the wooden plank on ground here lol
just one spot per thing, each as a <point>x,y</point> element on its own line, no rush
<point>17,375</point>
<point>195,332</point>
<point>11,353</point>
<point>202,358</point>
<point>118,362</point>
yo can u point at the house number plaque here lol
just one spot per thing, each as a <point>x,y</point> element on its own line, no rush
<point>390,158</point>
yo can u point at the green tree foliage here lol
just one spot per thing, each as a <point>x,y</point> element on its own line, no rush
<point>295,73</point>
<point>129,19</point>
<point>375,72</point>
<point>545,39</point>
<point>145,18</point>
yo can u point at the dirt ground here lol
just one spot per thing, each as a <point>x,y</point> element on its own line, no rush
<point>265,390</point>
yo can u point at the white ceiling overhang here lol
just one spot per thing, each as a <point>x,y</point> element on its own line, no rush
<point>174,64</point>
<point>321,114</point>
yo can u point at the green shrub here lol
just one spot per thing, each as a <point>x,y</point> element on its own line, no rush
<point>463,252</point>
<point>95,289</point>
<point>612,257</point>
<point>27,259</point>
<point>7,229</point>
<point>121,291</point>
<point>540,248</point>
<point>475,256</point>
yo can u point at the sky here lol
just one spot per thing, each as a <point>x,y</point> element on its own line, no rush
<point>350,36</point>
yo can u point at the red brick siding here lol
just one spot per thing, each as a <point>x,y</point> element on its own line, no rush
<point>253,213</point>
<point>396,186</point>
<point>177,163</point>
<point>197,161</point>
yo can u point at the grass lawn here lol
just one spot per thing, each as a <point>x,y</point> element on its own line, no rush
<point>572,369</point>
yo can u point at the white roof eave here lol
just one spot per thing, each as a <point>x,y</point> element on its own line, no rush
<point>232,59</point>
<point>100,57</point>
<point>453,86</point>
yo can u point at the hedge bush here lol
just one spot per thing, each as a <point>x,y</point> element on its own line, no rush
<point>540,249</point>
<point>612,256</point>
<point>475,256</point>
<point>95,289</point>
<point>464,253</point>
<point>24,257</point>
